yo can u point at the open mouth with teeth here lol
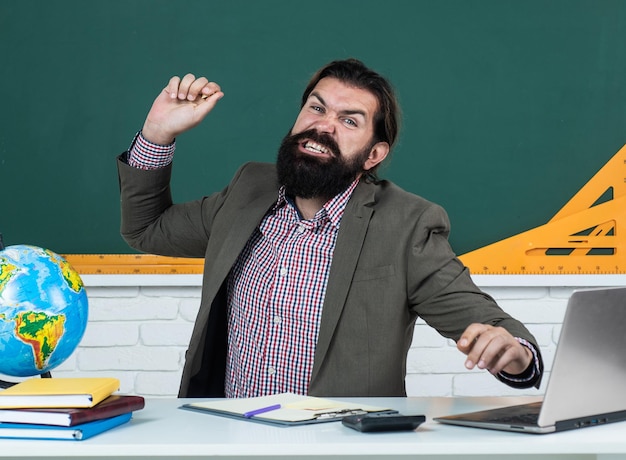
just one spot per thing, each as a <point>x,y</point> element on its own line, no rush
<point>313,148</point>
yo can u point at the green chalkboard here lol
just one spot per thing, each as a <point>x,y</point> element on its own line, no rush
<point>509,107</point>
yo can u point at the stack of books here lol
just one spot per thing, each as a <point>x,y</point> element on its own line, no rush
<point>64,408</point>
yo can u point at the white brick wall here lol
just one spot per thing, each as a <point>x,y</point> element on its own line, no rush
<point>139,334</point>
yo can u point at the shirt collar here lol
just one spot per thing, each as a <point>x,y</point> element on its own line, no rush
<point>333,209</point>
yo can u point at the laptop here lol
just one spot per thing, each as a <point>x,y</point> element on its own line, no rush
<point>586,384</point>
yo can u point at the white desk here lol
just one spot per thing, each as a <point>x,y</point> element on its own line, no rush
<point>162,431</point>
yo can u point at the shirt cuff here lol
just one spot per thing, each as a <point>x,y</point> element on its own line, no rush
<point>143,154</point>
<point>530,375</point>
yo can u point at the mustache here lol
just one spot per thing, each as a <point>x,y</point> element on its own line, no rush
<point>323,139</point>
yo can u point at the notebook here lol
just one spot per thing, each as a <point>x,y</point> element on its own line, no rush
<point>284,409</point>
<point>58,392</point>
<point>586,384</point>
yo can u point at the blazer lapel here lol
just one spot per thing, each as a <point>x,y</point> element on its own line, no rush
<point>352,231</point>
<point>238,235</point>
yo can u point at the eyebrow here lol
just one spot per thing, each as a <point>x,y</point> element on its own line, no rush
<point>343,112</point>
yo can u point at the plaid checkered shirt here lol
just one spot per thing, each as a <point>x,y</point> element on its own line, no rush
<point>276,291</point>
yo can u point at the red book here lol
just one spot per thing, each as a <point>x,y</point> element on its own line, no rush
<point>110,407</point>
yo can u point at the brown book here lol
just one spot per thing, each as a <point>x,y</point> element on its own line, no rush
<point>110,407</point>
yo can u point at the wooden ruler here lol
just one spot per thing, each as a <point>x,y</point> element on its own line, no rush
<point>586,236</point>
<point>138,264</point>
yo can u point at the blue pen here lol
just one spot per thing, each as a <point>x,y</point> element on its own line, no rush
<point>261,410</point>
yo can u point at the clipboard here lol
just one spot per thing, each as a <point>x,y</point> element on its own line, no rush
<point>284,409</point>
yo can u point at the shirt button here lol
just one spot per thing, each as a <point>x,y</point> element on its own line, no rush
<point>301,228</point>
<point>283,271</point>
<point>271,370</point>
<point>277,319</point>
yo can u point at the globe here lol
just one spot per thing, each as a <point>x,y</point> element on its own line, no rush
<point>43,310</point>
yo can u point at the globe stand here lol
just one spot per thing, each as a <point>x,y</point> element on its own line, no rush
<point>4,384</point>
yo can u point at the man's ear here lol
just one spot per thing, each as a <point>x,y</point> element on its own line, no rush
<point>377,154</point>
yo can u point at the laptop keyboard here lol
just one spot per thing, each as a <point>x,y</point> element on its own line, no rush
<point>519,419</point>
<point>524,414</point>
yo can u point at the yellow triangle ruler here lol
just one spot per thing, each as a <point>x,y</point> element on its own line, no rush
<point>586,236</point>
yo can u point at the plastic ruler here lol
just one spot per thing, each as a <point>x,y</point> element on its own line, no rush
<point>586,236</point>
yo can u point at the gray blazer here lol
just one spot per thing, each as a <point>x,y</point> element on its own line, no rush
<point>392,263</point>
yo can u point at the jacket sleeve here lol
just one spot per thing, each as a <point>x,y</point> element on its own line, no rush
<point>442,292</point>
<point>152,223</point>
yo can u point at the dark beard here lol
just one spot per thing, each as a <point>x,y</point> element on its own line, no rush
<point>307,176</point>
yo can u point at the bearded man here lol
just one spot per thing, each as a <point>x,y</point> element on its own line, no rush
<point>315,269</point>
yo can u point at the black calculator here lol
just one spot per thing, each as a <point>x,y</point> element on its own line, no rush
<point>383,421</point>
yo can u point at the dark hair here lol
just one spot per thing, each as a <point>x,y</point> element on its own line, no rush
<point>354,72</point>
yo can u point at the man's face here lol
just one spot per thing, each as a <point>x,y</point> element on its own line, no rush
<point>330,143</point>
